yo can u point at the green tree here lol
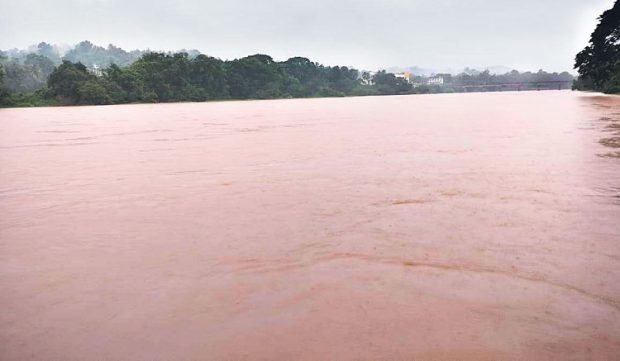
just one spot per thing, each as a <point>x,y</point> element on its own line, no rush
<point>342,79</point>
<point>129,82</point>
<point>209,74</point>
<point>64,82</point>
<point>93,91</point>
<point>255,76</point>
<point>308,76</point>
<point>386,83</point>
<point>27,74</point>
<point>599,62</point>
<point>4,94</point>
<point>168,77</point>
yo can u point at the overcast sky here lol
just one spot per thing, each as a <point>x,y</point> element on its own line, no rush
<point>368,34</point>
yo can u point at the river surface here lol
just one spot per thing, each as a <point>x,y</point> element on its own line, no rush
<point>428,227</point>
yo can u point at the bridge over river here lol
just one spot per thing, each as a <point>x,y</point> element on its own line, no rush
<point>534,85</point>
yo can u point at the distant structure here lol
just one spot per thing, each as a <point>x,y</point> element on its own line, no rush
<point>404,75</point>
<point>96,70</point>
<point>366,77</point>
<point>435,80</point>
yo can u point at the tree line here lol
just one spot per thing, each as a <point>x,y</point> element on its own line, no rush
<point>163,77</point>
<point>89,74</point>
<point>599,62</point>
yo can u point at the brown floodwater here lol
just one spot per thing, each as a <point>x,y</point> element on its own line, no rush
<point>428,227</point>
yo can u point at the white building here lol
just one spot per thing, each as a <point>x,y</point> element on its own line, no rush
<point>404,75</point>
<point>435,80</point>
<point>96,70</point>
<point>366,77</point>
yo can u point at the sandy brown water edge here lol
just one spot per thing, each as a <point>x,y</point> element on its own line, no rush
<point>439,227</point>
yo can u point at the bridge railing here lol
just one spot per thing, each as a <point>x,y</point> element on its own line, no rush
<point>560,84</point>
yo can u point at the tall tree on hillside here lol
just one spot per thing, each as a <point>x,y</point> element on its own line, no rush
<point>209,74</point>
<point>4,94</point>
<point>27,74</point>
<point>168,77</point>
<point>599,62</point>
<point>255,76</point>
<point>386,83</point>
<point>48,51</point>
<point>65,81</point>
<point>307,74</point>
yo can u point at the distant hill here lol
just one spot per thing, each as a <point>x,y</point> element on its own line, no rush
<point>92,55</point>
<point>84,52</point>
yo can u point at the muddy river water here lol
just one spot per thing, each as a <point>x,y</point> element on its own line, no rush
<point>429,227</point>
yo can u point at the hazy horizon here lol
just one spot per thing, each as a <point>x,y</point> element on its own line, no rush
<point>442,34</point>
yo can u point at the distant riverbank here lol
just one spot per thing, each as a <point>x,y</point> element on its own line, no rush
<point>35,80</point>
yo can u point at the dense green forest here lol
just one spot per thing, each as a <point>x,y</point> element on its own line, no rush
<point>599,62</point>
<point>161,77</point>
<point>90,74</point>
